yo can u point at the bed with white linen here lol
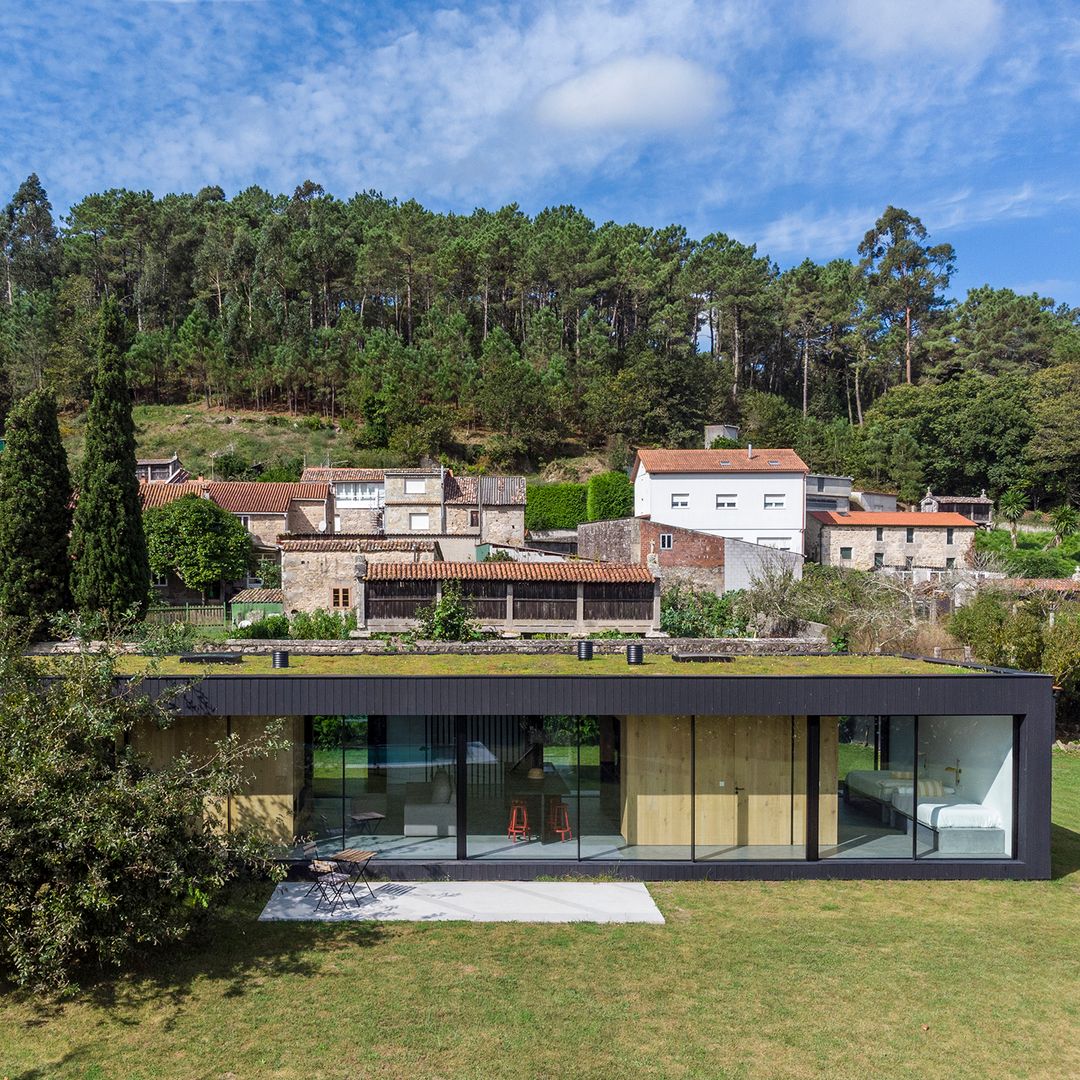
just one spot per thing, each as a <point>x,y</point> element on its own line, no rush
<point>959,826</point>
<point>880,784</point>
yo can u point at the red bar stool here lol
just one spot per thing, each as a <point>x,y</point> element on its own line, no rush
<point>518,829</point>
<point>559,820</point>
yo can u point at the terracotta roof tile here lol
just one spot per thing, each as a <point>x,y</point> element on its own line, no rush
<point>571,570</point>
<point>346,542</point>
<point>873,518</point>
<point>251,497</point>
<point>719,461</point>
<point>334,475</point>
<point>1065,585</point>
<point>156,494</point>
<point>258,596</point>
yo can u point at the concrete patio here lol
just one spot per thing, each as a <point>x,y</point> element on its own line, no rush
<point>472,901</point>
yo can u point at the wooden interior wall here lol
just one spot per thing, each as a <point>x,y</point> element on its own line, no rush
<point>759,755</point>
<point>656,779</point>
<point>270,798</point>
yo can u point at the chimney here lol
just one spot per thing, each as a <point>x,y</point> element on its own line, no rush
<point>749,451</point>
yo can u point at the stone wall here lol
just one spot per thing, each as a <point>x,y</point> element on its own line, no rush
<point>308,578</point>
<point>694,558</point>
<point>502,525</point>
<point>358,519</point>
<point>310,516</point>
<point>533,647</point>
<point>930,547</point>
<point>266,528</point>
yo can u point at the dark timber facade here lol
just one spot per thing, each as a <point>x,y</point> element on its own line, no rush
<point>656,776</point>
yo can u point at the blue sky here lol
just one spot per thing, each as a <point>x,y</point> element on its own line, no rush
<point>784,124</point>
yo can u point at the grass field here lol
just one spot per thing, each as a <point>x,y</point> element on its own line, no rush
<point>558,664</point>
<point>196,433</point>
<point>795,979</point>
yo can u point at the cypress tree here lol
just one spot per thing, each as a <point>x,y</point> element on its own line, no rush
<point>112,570</point>
<point>35,514</point>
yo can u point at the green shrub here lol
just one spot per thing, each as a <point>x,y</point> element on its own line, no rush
<point>689,612</point>
<point>1038,564</point>
<point>555,506</point>
<point>318,625</point>
<point>449,618</point>
<point>268,628</point>
<point>609,495</point>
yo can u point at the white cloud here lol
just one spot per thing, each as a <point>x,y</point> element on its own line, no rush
<point>887,28</point>
<point>637,93</point>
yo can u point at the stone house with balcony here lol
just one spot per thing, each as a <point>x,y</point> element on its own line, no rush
<point>868,540</point>
<point>358,494</point>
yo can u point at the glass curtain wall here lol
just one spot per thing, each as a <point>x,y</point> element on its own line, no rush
<point>964,791</point>
<point>665,788</point>
<point>522,783</point>
<point>870,758</point>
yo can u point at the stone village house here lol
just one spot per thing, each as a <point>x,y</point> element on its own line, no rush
<point>869,540</point>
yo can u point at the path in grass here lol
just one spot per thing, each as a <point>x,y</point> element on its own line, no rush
<point>794,979</point>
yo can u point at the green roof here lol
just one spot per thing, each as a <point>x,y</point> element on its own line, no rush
<point>548,664</point>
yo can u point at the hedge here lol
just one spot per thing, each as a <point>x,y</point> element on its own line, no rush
<point>610,495</point>
<point>554,506</point>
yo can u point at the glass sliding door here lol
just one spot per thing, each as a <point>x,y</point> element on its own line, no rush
<point>964,791</point>
<point>522,787</point>
<point>750,787</point>
<point>869,758</point>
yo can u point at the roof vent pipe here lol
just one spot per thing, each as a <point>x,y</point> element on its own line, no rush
<point>749,451</point>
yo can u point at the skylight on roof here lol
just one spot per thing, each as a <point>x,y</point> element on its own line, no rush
<point>724,461</point>
<point>774,462</point>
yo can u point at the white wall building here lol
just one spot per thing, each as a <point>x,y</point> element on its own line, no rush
<point>752,494</point>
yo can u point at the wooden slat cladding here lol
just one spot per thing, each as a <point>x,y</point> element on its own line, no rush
<point>614,602</point>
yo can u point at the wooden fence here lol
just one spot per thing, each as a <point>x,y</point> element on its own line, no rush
<point>192,614</point>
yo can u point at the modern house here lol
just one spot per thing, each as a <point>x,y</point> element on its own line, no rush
<point>702,560</point>
<point>824,492</point>
<point>752,494</point>
<point>865,540</point>
<point>924,772</point>
<point>978,508</point>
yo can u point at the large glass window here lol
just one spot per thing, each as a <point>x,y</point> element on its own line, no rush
<point>964,788</point>
<point>868,759</point>
<point>521,781</point>
<point>385,783</point>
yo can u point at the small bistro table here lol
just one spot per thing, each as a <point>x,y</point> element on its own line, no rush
<point>367,822</point>
<point>355,862</point>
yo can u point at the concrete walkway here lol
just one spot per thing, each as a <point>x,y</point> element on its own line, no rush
<point>473,901</point>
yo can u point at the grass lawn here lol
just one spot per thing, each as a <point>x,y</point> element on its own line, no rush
<point>562,664</point>
<point>794,979</point>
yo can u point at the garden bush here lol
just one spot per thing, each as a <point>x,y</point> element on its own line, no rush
<point>555,506</point>
<point>699,613</point>
<point>608,496</point>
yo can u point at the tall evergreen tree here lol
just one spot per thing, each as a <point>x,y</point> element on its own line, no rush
<point>35,514</point>
<point>112,569</point>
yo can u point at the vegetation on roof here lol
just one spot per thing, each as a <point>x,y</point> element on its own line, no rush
<point>565,663</point>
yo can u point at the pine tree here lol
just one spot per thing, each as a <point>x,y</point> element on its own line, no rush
<point>112,570</point>
<point>35,514</point>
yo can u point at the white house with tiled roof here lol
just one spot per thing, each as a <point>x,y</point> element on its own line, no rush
<point>752,494</point>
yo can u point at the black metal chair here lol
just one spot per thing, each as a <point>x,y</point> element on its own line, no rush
<point>327,878</point>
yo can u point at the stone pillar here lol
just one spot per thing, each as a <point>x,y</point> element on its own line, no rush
<point>656,605</point>
<point>361,592</point>
<point>509,604</point>
<point>579,615</point>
